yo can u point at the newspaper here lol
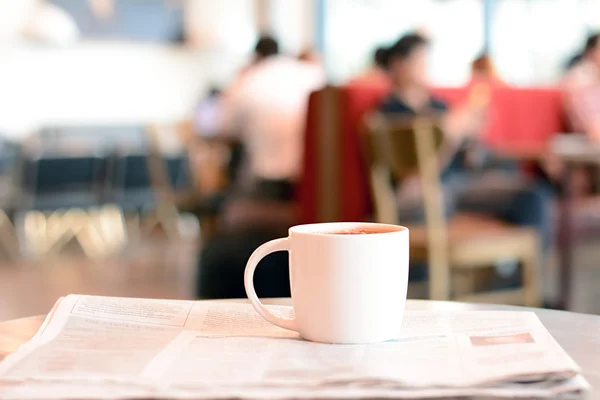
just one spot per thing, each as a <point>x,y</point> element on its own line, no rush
<point>93,347</point>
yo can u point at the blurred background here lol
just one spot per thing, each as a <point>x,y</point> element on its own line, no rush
<point>147,147</point>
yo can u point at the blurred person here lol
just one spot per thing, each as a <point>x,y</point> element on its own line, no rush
<point>483,70</point>
<point>309,56</point>
<point>502,194</point>
<point>267,112</point>
<point>573,61</point>
<point>265,47</point>
<point>207,115</point>
<point>581,91</point>
<point>376,74</point>
<point>223,259</point>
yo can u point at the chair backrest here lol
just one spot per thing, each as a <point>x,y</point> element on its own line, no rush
<point>333,185</point>
<point>85,139</point>
<point>133,173</point>
<point>50,174</point>
<point>393,142</point>
<point>178,172</point>
<point>399,148</point>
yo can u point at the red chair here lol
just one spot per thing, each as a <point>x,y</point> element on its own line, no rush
<point>334,185</point>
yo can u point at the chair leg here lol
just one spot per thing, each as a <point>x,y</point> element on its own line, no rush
<point>133,226</point>
<point>59,230</point>
<point>439,276</point>
<point>165,217</point>
<point>532,268</point>
<point>32,232</point>
<point>93,244</point>
<point>66,225</point>
<point>111,223</point>
<point>168,217</point>
<point>463,282</point>
<point>8,238</point>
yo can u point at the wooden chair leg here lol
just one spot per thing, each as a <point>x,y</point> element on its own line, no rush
<point>92,242</point>
<point>66,226</point>
<point>439,277</point>
<point>113,228</point>
<point>463,283</point>
<point>532,268</point>
<point>8,237</point>
<point>59,230</point>
<point>34,240</point>
<point>168,217</point>
<point>133,226</point>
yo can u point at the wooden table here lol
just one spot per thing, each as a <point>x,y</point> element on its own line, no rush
<point>571,150</point>
<point>578,334</point>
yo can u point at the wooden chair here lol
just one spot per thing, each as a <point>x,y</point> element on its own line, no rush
<point>454,248</point>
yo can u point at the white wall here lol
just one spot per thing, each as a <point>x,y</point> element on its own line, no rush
<point>104,83</point>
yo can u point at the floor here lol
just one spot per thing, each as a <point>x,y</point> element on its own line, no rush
<point>157,269</point>
<point>166,270</point>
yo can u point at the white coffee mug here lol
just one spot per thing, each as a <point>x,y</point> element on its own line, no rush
<point>348,281</point>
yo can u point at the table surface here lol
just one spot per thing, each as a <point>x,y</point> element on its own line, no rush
<point>578,334</point>
<point>572,148</point>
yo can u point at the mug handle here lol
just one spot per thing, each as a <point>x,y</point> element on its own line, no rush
<point>264,250</point>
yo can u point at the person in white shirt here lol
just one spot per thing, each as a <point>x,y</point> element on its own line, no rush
<point>268,111</point>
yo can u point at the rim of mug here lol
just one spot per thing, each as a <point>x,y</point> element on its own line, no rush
<point>326,228</point>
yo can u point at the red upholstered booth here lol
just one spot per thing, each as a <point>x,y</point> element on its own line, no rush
<point>334,186</point>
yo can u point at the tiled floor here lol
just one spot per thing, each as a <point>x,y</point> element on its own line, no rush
<point>167,271</point>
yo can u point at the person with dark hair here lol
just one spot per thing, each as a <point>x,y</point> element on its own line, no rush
<point>376,74</point>
<point>501,193</point>
<point>266,111</point>
<point>483,70</point>
<point>406,63</point>
<point>207,120</point>
<point>379,57</point>
<point>266,46</point>
<point>309,56</point>
<point>581,90</point>
<point>573,61</point>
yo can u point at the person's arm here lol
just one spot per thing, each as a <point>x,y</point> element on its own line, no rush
<point>231,108</point>
<point>584,106</point>
<point>468,119</point>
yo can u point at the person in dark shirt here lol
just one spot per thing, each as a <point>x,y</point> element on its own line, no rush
<point>501,193</point>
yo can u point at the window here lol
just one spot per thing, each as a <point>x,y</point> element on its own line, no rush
<point>150,20</point>
<point>291,23</point>
<point>355,27</point>
<point>532,40</point>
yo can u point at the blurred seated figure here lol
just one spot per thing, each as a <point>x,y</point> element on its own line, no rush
<point>267,111</point>
<point>223,261</point>
<point>245,224</point>
<point>469,185</point>
<point>376,74</point>
<point>581,91</point>
<point>207,116</point>
<point>483,70</point>
<point>573,61</point>
<point>310,56</point>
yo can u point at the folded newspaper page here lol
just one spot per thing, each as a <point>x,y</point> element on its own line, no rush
<point>93,347</point>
